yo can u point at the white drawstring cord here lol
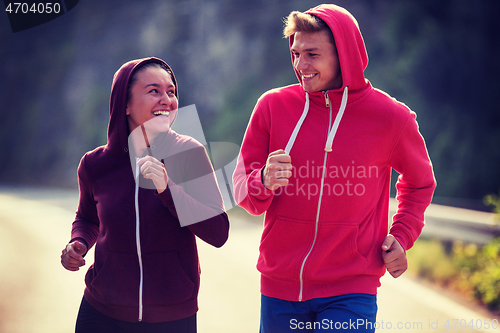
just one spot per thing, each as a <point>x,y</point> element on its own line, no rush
<point>336,123</point>
<point>297,127</point>
<point>138,237</point>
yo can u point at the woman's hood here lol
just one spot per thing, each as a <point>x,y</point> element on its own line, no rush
<point>118,130</point>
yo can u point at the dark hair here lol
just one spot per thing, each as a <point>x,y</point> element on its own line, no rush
<point>133,77</point>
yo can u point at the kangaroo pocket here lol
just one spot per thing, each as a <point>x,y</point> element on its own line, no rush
<point>117,282</point>
<point>165,281</point>
<point>284,247</point>
<point>335,254</point>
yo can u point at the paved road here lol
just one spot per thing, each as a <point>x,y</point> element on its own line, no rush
<point>37,295</point>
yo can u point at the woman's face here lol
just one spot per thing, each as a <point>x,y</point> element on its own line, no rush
<point>152,96</point>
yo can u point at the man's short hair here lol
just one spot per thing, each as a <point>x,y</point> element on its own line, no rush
<point>302,22</point>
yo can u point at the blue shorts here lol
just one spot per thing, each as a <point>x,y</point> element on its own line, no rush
<point>346,313</point>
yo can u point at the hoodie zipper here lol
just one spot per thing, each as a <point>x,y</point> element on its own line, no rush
<point>332,130</point>
<point>316,225</point>
<point>138,239</point>
<point>327,102</point>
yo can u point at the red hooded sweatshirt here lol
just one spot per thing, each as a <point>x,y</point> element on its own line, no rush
<point>323,232</point>
<point>146,264</point>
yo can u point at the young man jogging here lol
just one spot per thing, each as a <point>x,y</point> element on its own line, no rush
<point>317,159</point>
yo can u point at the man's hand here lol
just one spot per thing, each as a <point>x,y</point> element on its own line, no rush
<point>394,256</point>
<point>72,256</point>
<point>277,170</point>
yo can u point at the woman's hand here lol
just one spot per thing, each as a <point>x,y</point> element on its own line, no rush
<point>154,170</point>
<point>72,256</point>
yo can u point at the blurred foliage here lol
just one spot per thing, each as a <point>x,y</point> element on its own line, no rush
<point>438,57</point>
<point>469,269</point>
<point>493,200</point>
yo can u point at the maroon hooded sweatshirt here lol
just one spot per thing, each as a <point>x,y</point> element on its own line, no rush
<point>146,263</point>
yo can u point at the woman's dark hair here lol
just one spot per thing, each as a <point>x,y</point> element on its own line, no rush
<point>142,67</point>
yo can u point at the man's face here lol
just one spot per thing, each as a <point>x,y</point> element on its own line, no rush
<point>317,61</point>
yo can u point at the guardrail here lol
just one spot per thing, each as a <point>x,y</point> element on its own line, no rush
<point>450,224</point>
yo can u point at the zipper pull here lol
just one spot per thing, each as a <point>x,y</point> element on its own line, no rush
<point>327,99</point>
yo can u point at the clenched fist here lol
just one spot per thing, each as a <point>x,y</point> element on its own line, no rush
<point>72,256</point>
<point>277,170</point>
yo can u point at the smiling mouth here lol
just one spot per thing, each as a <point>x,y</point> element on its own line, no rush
<point>161,113</point>
<point>309,76</point>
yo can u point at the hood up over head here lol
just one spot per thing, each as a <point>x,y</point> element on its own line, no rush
<point>353,61</point>
<point>118,130</point>
<point>349,42</point>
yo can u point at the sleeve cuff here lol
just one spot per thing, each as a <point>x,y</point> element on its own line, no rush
<point>257,188</point>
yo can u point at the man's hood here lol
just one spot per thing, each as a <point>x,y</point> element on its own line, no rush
<point>118,130</point>
<point>349,42</point>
